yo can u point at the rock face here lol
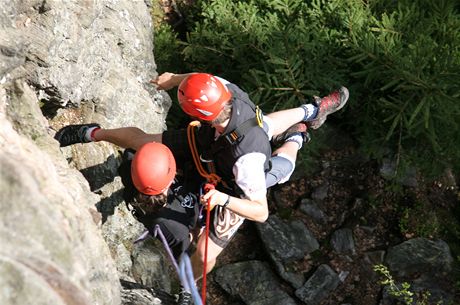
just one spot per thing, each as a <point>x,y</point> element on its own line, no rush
<point>52,250</point>
<point>64,62</point>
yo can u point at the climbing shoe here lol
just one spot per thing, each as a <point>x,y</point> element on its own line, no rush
<point>327,105</point>
<point>185,297</point>
<point>72,134</point>
<point>296,133</point>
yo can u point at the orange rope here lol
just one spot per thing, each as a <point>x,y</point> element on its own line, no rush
<point>210,177</point>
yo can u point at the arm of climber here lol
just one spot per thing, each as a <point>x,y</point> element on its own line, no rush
<point>250,177</point>
<point>169,80</point>
<point>126,137</point>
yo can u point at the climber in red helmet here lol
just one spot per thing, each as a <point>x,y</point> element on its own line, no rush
<point>203,96</point>
<point>153,169</point>
<point>241,156</point>
<point>162,200</point>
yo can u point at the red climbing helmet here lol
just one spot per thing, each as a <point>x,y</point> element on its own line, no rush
<point>153,168</point>
<point>203,96</point>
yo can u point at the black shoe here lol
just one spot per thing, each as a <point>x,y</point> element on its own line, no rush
<point>72,134</point>
<point>185,297</point>
<point>297,129</point>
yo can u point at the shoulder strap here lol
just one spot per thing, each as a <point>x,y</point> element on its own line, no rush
<point>238,133</point>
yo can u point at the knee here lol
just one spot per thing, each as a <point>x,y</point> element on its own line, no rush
<point>282,168</point>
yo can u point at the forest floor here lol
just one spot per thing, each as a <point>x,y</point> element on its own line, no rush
<point>357,198</point>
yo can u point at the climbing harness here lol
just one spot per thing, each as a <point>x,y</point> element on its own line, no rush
<point>238,133</point>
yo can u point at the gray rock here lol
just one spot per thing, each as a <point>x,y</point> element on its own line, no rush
<point>308,207</point>
<point>374,257</point>
<point>149,266</point>
<point>320,193</point>
<point>286,243</point>
<point>95,56</point>
<point>52,250</point>
<point>342,241</point>
<point>253,282</point>
<point>407,178</point>
<point>420,256</point>
<point>139,297</point>
<point>318,286</point>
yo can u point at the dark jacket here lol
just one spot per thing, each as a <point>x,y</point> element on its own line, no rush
<point>223,153</point>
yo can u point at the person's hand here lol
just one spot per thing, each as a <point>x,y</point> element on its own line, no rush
<point>165,81</point>
<point>215,198</point>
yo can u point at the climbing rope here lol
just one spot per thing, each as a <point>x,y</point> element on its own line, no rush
<point>186,272</point>
<point>210,177</point>
<point>157,231</point>
<point>183,269</point>
<point>207,188</point>
<point>213,179</point>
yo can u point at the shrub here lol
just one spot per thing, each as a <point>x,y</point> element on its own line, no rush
<point>400,59</point>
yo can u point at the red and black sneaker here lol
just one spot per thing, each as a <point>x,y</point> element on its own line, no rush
<point>296,133</point>
<point>327,105</point>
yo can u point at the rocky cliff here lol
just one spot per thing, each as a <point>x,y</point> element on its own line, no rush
<point>64,62</point>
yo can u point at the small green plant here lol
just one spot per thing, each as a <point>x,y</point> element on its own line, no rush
<point>404,221</point>
<point>400,292</point>
<point>419,220</point>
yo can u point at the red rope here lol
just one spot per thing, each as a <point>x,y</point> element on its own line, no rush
<point>203,287</point>
<point>207,188</point>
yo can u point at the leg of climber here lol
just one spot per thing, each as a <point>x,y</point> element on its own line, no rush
<point>314,114</point>
<point>198,257</point>
<point>284,158</point>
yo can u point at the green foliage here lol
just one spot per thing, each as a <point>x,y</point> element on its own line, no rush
<point>167,49</point>
<point>398,291</point>
<point>410,223</point>
<point>400,59</point>
<point>270,48</point>
<point>409,58</point>
<point>402,291</point>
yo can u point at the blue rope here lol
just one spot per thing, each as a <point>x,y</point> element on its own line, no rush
<point>187,273</point>
<point>184,269</point>
<point>158,231</point>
